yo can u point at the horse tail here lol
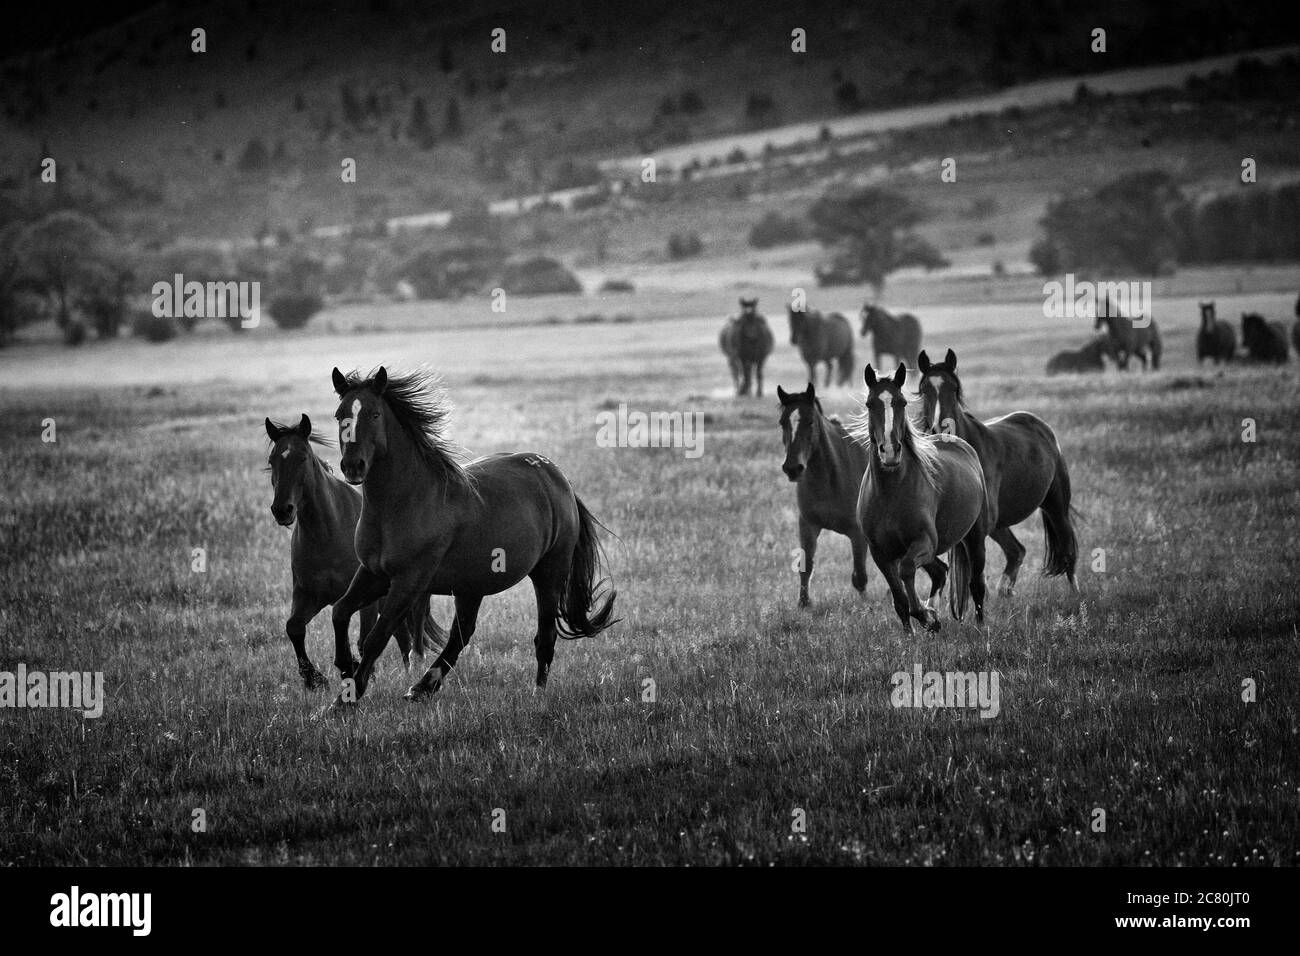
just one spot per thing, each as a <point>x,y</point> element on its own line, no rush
<point>582,614</point>
<point>431,635</point>
<point>1058,524</point>
<point>959,565</point>
<point>846,362</point>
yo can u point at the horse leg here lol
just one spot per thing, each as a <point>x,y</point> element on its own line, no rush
<point>808,534</point>
<point>975,550</point>
<point>548,584</point>
<point>305,607</point>
<point>859,579</point>
<point>938,572</point>
<point>366,588</point>
<point>918,555</point>
<point>830,370</point>
<point>902,607</point>
<point>744,381</point>
<point>1015,552</point>
<point>758,376</point>
<point>462,629</point>
<point>403,593</point>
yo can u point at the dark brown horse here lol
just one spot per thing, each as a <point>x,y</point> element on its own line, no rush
<point>1141,338</point>
<point>1215,340</point>
<point>921,496</point>
<point>746,340</point>
<point>1086,359</point>
<point>899,336</point>
<point>1264,341</point>
<point>1024,470</point>
<point>431,525</point>
<point>823,338</point>
<point>323,510</point>
<point>828,466</point>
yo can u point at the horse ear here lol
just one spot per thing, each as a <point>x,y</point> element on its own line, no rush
<point>304,426</point>
<point>812,391</point>
<point>381,381</point>
<point>781,394</point>
<point>900,375</point>
<point>951,359</point>
<point>869,375</point>
<point>923,363</point>
<point>340,383</point>
<point>272,432</point>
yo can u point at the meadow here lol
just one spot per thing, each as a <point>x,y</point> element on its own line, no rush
<point>1126,697</point>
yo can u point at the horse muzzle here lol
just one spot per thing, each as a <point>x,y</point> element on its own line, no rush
<point>283,514</point>
<point>794,472</point>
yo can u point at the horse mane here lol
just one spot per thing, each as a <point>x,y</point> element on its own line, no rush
<point>422,410</point>
<point>312,439</point>
<point>922,447</point>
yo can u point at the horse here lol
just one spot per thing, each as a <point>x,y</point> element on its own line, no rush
<point>828,467</point>
<point>746,340</point>
<point>1023,467</point>
<point>1215,340</point>
<point>921,496</point>
<point>1127,338</point>
<point>323,511</point>
<point>1264,341</point>
<point>823,338</point>
<point>1086,359</point>
<point>899,336</point>
<point>431,524</point>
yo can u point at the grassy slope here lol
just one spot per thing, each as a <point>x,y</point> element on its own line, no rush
<point>1126,699</point>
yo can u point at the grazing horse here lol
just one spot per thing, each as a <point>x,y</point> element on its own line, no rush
<point>1215,340</point>
<point>323,510</point>
<point>1127,338</point>
<point>828,466</point>
<point>1086,359</point>
<point>922,495</point>
<point>1264,341</point>
<point>823,338</point>
<point>899,336</point>
<point>1024,470</point>
<point>432,525</point>
<point>746,340</point>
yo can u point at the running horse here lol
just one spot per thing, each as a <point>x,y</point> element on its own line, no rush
<point>1086,359</point>
<point>323,511</point>
<point>1264,341</point>
<point>1215,340</point>
<point>432,525</point>
<point>1127,337</point>
<point>899,336</point>
<point>828,467</point>
<point>922,495</point>
<point>746,340</point>
<point>1023,467</point>
<point>823,338</point>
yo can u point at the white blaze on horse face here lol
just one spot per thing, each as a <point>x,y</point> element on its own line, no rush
<point>285,453</point>
<point>887,438</point>
<point>350,424</point>
<point>936,383</point>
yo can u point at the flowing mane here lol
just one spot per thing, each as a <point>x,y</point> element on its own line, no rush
<point>422,410</point>
<point>922,447</point>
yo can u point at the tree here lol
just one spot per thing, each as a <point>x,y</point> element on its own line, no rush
<point>870,231</point>
<point>454,125</point>
<point>68,256</point>
<point>15,310</point>
<point>418,130</point>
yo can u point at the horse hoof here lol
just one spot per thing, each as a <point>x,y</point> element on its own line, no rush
<point>418,693</point>
<point>803,600</point>
<point>341,706</point>
<point>314,681</point>
<point>1004,591</point>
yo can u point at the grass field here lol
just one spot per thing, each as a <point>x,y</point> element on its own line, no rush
<point>1126,697</point>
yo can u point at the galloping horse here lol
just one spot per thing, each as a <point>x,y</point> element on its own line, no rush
<point>1127,338</point>
<point>922,495</point>
<point>323,511</point>
<point>828,466</point>
<point>746,340</point>
<point>1086,359</point>
<point>897,336</point>
<point>823,338</point>
<point>1215,340</point>
<point>430,525</point>
<point>1264,341</point>
<point>1023,470</point>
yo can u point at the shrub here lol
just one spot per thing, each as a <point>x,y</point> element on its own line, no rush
<point>293,310</point>
<point>684,245</point>
<point>154,328</point>
<point>539,276</point>
<point>617,285</point>
<point>774,229</point>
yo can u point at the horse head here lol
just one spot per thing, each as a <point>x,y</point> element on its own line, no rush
<point>287,463</point>
<point>869,316</point>
<point>363,419</point>
<point>800,429</point>
<point>1207,315</point>
<point>940,393</point>
<point>886,407</point>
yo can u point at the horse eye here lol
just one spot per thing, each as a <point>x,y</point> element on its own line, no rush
<point>374,415</point>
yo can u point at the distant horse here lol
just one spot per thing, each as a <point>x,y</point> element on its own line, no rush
<point>746,340</point>
<point>1127,338</point>
<point>823,338</point>
<point>828,466</point>
<point>1295,329</point>
<point>1264,341</point>
<point>921,496</point>
<point>1024,471</point>
<point>323,511</point>
<point>1086,359</point>
<point>1215,340</point>
<point>431,525</point>
<point>899,336</point>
